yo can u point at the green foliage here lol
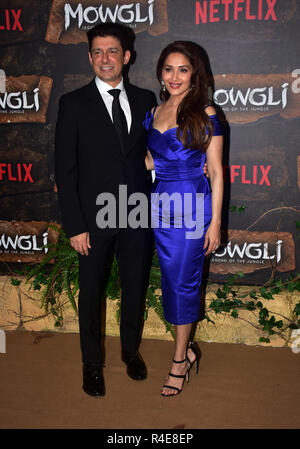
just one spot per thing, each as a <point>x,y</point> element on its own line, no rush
<point>265,340</point>
<point>297,309</point>
<point>229,301</point>
<point>58,273</point>
<point>239,209</point>
<point>15,282</point>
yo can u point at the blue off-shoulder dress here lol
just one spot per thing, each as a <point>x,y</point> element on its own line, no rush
<point>181,213</point>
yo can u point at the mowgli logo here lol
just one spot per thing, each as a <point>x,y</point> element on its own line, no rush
<point>69,21</point>
<point>247,97</point>
<point>249,251</point>
<point>127,14</point>
<point>19,100</point>
<point>23,243</point>
<point>24,98</point>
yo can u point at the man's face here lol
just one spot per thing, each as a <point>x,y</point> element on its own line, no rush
<point>107,59</point>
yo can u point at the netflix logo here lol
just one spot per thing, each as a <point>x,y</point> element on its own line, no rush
<point>211,11</point>
<point>22,169</point>
<point>10,20</point>
<point>16,172</point>
<point>253,174</point>
<point>262,173</point>
<point>20,21</point>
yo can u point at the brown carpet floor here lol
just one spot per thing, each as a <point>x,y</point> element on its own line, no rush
<point>238,387</point>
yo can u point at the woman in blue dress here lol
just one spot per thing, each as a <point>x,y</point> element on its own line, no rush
<point>183,134</point>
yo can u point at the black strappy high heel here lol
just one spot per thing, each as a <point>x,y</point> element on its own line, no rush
<point>196,351</point>
<point>178,376</point>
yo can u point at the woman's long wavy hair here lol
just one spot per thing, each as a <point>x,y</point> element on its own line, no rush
<point>194,127</point>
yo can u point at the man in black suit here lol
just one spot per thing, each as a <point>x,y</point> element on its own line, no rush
<point>100,144</point>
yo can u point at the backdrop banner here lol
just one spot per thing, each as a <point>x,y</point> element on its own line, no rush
<point>253,48</point>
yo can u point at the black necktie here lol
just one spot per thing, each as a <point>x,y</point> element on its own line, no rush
<point>119,118</point>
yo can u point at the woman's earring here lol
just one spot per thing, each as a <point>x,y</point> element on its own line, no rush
<point>192,87</point>
<point>163,86</point>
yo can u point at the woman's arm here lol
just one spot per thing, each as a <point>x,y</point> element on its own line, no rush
<point>149,161</point>
<point>215,169</point>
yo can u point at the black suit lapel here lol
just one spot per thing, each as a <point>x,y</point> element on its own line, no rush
<point>97,107</point>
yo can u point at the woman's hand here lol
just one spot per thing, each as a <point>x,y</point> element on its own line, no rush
<point>205,171</point>
<point>149,161</point>
<point>212,238</point>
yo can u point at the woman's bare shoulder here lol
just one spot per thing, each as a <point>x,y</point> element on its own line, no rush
<point>210,110</point>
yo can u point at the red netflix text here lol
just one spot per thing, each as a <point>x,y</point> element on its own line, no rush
<point>225,10</point>
<point>255,174</point>
<point>10,19</point>
<point>16,172</point>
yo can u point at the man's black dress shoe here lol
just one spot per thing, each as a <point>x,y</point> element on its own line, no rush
<point>93,380</point>
<point>136,368</point>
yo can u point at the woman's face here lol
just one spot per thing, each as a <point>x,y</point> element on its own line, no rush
<point>176,74</point>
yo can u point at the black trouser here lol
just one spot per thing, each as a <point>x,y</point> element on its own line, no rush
<point>133,249</point>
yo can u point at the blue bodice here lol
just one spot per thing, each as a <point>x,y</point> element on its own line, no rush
<point>172,161</point>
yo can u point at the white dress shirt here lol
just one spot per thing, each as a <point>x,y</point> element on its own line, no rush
<point>108,99</point>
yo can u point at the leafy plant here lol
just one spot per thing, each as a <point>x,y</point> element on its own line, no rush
<point>229,301</point>
<point>239,209</point>
<point>58,273</point>
<point>61,275</point>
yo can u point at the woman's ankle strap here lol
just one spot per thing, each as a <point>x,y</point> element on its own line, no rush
<point>179,361</point>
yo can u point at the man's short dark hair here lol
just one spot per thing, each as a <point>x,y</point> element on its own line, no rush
<point>123,33</point>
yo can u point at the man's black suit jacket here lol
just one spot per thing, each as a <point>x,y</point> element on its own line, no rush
<point>88,156</point>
